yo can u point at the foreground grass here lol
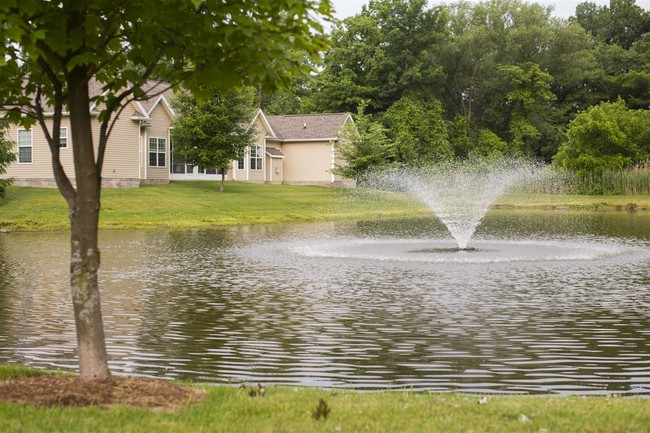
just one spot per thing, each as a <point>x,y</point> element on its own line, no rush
<point>198,204</point>
<point>282,409</point>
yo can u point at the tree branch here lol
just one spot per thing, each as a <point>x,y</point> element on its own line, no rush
<point>53,139</point>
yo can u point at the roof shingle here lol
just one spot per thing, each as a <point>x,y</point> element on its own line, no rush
<point>307,126</point>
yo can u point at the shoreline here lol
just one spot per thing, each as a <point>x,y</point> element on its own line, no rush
<point>193,205</point>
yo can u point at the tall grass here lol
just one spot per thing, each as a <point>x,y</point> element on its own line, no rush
<point>551,180</point>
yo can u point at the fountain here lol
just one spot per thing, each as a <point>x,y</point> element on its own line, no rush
<point>536,302</point>
<point>459,192</point>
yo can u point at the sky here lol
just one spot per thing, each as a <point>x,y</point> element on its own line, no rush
<point>563,8</point>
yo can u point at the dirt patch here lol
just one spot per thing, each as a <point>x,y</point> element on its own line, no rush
<point>70,391</point>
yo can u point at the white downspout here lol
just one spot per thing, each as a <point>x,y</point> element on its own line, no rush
<point>146,154</point>
<point>169,153</point>
<point>140,150</point>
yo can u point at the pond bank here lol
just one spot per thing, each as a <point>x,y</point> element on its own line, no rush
<point>200,205</point>
<point>283,409</point>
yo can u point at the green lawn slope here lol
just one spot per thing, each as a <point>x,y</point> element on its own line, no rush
<point>199,204</point>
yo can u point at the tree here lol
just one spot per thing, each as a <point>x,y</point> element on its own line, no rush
<point>488,145</point>
<point>419,131</point>
<point>571,61</point>
<point>483,38</point>
<point>289,100</point>
<point>380,55</point>
<point>213,132</point>
<point>6,156</point>
<point>606,136</point>
<point>51,51</point>
<point>622,23</point>
<point>528,96</point>
<point>363,146</point>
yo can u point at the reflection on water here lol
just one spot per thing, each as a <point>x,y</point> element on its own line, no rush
<point>314,305</point>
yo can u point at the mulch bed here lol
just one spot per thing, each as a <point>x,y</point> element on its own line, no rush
<point>70,391</point>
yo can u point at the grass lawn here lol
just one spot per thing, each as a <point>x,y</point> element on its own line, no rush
<point>587,202</point>
<point>199,204</point>
<point>283,409</point>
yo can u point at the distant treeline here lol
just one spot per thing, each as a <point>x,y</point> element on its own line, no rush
<point>498,77</point>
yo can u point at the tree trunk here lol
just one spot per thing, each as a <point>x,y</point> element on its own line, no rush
<point>84,219</point>
<point>222,188</point>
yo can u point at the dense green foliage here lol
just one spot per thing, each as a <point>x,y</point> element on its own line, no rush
<point>213,132</point>
<point>6,157</point>
<point>495,77</point>
<point>606,136</point>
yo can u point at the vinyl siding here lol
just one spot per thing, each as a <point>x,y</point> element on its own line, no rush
<point>122,152</point>
<point>41,165</point>
<point>121,158</point>
<point>309,162</point>
<point>260,140</point>
<point>274,170</point>
<point>160,121</point>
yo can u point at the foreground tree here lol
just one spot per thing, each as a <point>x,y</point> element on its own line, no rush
<point>6,156</point>
<point>52,50</point>
<point>212,133</point>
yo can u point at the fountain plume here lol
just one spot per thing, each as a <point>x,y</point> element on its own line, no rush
<point>458,192</point>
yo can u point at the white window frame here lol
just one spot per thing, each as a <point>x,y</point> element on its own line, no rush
<point>63,138</point>
<point>255,158</point>
<point>22,145</point>
<point>158,152</point>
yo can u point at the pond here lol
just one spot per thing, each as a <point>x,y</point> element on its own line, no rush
<point>545,302</point>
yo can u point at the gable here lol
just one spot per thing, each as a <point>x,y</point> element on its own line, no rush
<point>261,122</point>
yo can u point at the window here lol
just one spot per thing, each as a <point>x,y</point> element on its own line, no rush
<point>256,157</point>
<point>63,137</point>
<point>24,146</point>
<point>157,152</point>
<point>241,159</point>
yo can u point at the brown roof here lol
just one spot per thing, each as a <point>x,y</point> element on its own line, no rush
<point>274,153</point>
<point>94,88</point>
<point>307,126</point>
<point>153,90</point>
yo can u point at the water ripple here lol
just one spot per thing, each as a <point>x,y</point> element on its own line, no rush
<point>312,305</point>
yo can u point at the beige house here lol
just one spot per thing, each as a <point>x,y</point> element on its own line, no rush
<point>293,149</point>
<point>289,149</point>
<point>137,151</point>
